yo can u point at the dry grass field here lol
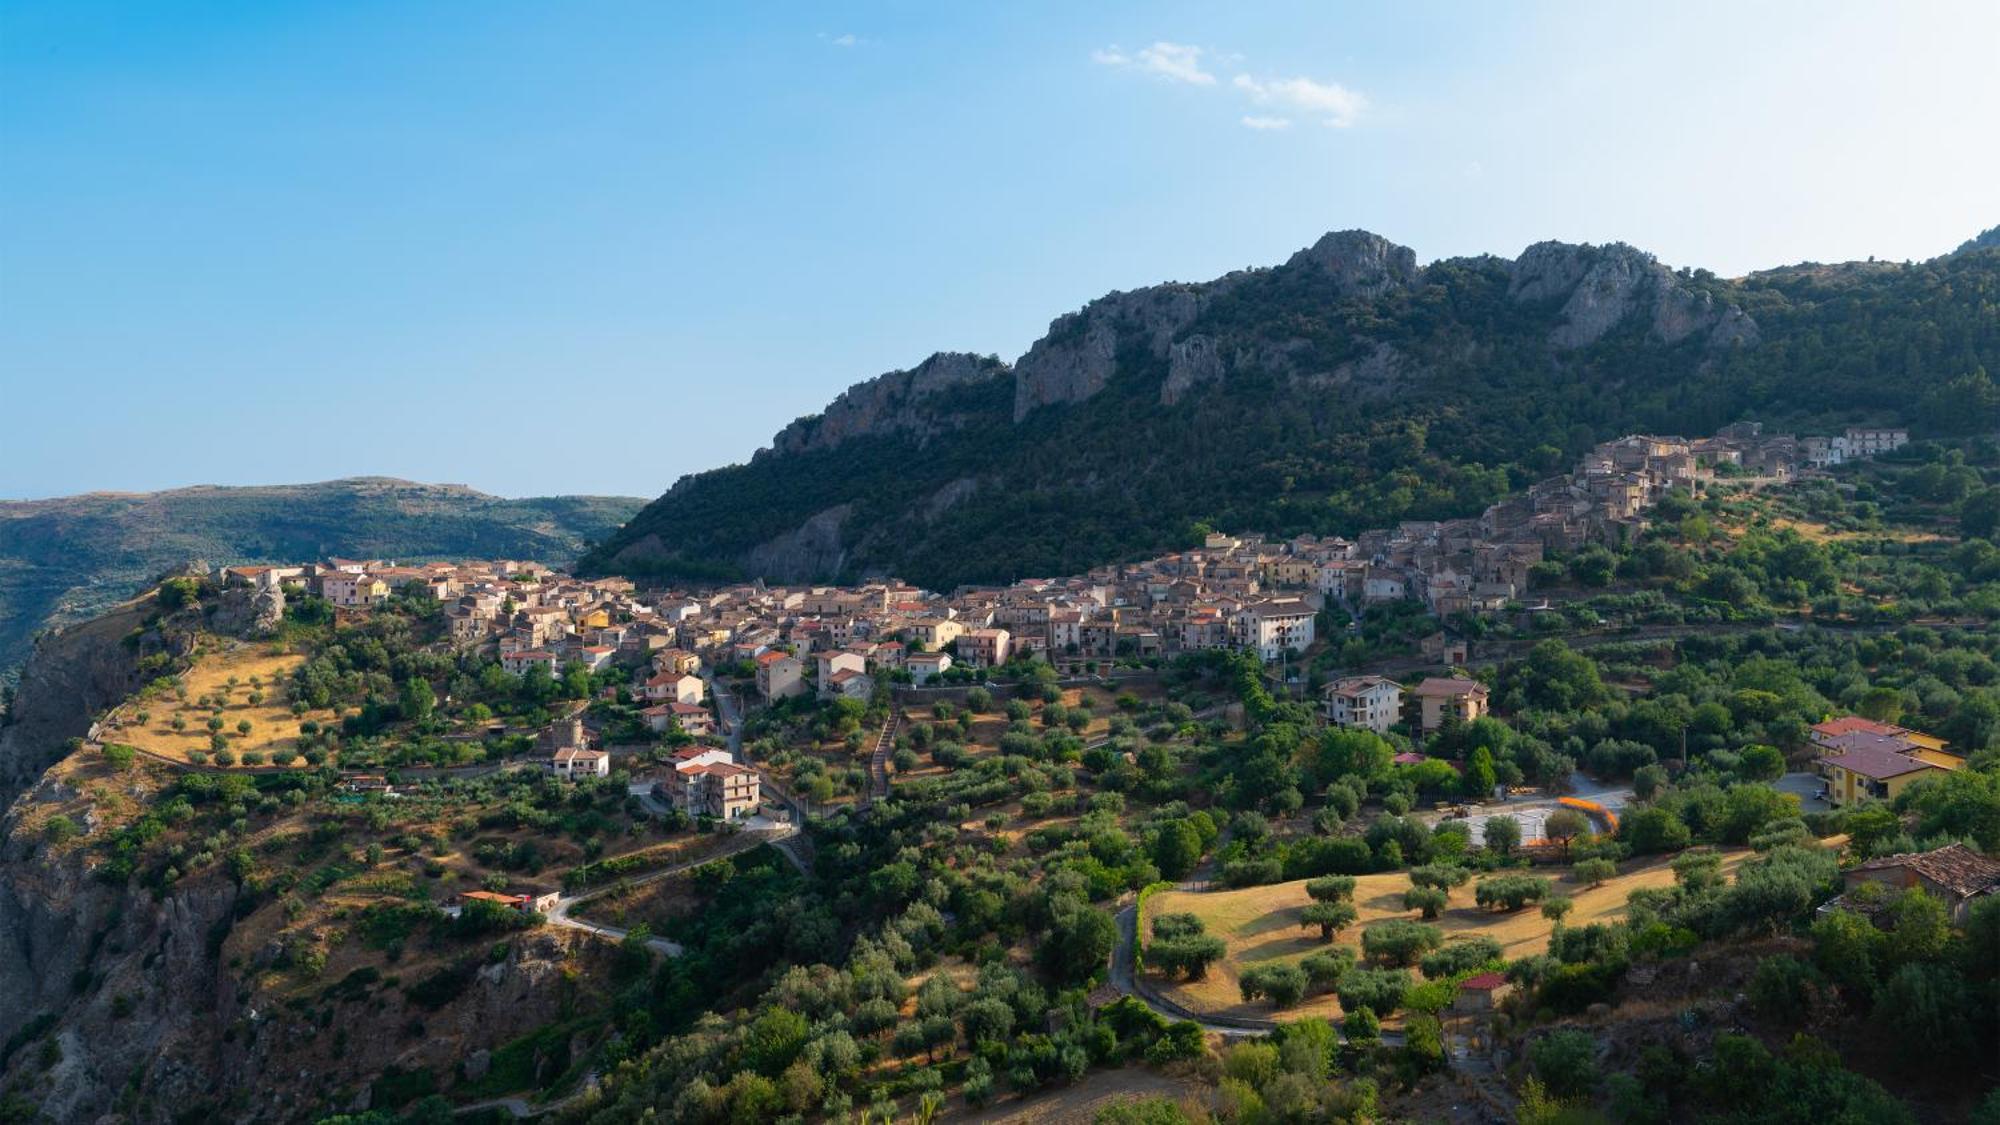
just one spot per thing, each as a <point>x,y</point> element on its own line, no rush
<point>1261,924</point>
<point>257,670</point>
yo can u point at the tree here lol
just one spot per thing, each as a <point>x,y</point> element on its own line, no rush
<point>1283,984</point>
<point>1564,825</point>
<point>1919,928</point>
<point>1177,849</point>
<point>1502,834</point>
<point>1652,829</point>
<point>1596,872</point>
<point>1927,1004</point>
<point>1429,900</point>
<point>1761,763</point>
<point>1400,942</point>
<point>1462,955</point>
<point>1079,941</point>
<point>178,592</point>
<point>1697,871</point>
<point>1330,917</point>
<point>120,756</point>
<point>1510,892</point>
<point>1361,1025</point>
<point>1566,1061</point>
<point>1381,990</point>
<point>1781,989</point>
<point>1556,909</point>
<point>1331,888</point>
<point>1479,779</point>
<point>1325,967</point>
<point>1847,948</point>
<point>1443,876</point>
<point>1189,954</point>
<point>417,700</point>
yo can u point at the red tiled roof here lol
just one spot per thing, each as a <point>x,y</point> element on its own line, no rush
<point>1848,724</point>
<point>1484,982</point>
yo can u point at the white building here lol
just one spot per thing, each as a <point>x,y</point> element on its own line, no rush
<point>573,763</point>
<point>1270,627</point>
<point>1368,702</point>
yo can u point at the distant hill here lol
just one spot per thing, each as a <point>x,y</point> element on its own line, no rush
<point>1347,388</point>
<point>70,558</point>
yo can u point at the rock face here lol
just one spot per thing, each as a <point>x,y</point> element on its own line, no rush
<point>75,674</point>
<point>1602,286</point>
<point>1361,264</point>
<point>813,548</point>
<point>1080,352</point>
<point>162,1009</point>
<point>898,402</point>
<point>1348,333</point>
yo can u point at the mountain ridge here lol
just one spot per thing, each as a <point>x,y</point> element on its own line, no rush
<point>1595,339</point>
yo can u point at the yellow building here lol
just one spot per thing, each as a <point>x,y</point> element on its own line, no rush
<point>1864,774</point>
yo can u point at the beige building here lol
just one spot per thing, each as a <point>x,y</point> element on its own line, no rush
<point>780,675</point>
<point>1442,699</point>
<point>708,784</point>
<point>984,648</point>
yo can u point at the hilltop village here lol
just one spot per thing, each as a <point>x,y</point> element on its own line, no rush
<point>1204,794</point>
<point>1241,593</point>
<point>1232,592</point>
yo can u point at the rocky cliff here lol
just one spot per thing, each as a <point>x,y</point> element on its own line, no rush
<point>898,402</point>
<point>123,1002</point>
<point>1292,398</point>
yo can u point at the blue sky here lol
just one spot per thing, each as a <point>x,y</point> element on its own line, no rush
<point>588,247</point>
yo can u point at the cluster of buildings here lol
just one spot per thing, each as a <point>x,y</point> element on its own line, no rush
<point>1377,703</point>
<point>1857,443</point>
<point>1862,759</point>
<point>1242,593</point>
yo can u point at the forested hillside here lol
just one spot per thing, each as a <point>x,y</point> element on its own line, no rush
<point>1346,389</point>
<point>68,559</point>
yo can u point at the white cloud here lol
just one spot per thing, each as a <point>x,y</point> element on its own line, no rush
<point>1336,104</point>
<point>847,40</point>
<point>1176,62</point>
<point>1266,124</point>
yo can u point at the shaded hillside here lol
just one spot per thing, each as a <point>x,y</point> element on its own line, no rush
<point>69,558</point>
<point>1347,388</point>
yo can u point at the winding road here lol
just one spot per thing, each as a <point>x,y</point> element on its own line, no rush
<point>1126,980</point>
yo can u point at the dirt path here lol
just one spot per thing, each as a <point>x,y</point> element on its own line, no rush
<point>560,916</point>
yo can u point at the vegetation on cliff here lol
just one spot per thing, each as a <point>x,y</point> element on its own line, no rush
<point>1297,400</point>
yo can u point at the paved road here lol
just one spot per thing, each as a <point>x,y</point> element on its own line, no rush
<point>732,715</point>
<point>1125,980</point>
<point>1807,788</point>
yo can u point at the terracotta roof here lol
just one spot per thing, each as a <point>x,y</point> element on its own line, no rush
<point>1484,982</point>
<point>1877,764</point>
<point>1848,724</point>
<point>1955,867</point>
